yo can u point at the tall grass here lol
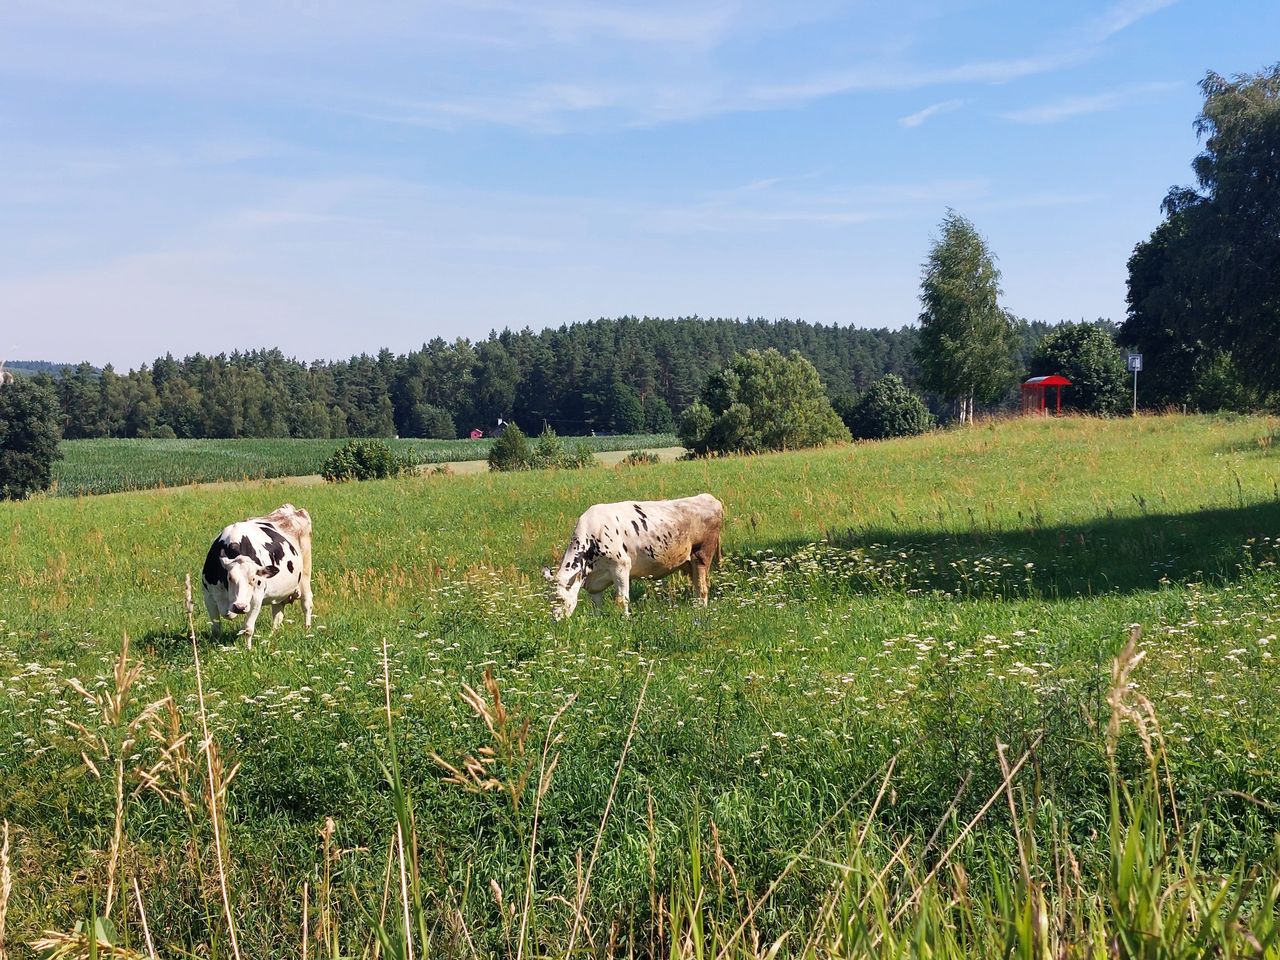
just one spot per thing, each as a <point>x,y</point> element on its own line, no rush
<point>884,736</point>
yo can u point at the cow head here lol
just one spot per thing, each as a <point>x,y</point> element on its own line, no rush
<point>568,583</point>
<point>246,583</point>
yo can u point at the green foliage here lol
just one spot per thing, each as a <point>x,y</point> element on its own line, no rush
<point>966,340</point>
<point>431,422</point>
<point>571,378</point>
<point>28,438</point>
<point>511,451</point>
<point>626,412</point>
<point>887,408</point>
<point>1204,289</point>
<point>761,401</point>
<point>640,458</point>
<point>550,452</point>
<point>364,460</point>
<point>657,415</point>
<point>1086,355</point>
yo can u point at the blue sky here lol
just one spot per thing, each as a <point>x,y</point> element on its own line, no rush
<point>336,177</point>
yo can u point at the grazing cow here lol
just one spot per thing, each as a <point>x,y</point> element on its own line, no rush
<point>262,559</point>
<point>647,539</point>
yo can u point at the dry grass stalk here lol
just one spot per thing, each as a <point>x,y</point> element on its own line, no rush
<point>6,885</point>
<point>142,915</point>
<point>217,785</point>
<point>829,907</point>
<point>545,771</point>
<point>117,738</point>
<point>510,743</point>
<point>1127,704</point>
<point>968,828</point>
<point>799,855</point>
<point>604,817</point>
<point>400,839</point>
<point>77,946</point>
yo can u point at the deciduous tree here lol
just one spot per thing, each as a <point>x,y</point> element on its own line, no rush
<point>966,341</point>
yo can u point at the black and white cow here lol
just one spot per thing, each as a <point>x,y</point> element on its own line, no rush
<point>646,539</point>
<point>262,559</point>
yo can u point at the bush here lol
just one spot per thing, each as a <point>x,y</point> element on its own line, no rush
<point>29,435</point>
<point>511,450</point>
<point>550,453</point>
<point>426,420</point>
<point>639,458</point>
<point>580,457</point>
<point>364,460</point>
<point>887,408</point>
<point>1086,355</point>
<point>761,401</point>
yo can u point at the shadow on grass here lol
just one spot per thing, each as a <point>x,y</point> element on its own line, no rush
<point>1104,555</point>
<point>169,646</point>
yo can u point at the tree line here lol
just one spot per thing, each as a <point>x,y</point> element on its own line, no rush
<point>621,375</point>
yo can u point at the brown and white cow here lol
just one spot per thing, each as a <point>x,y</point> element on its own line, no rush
<point>259,560</point>
<point>646,539</point>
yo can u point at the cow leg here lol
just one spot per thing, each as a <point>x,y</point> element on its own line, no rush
<point>704,554</point>
<point>277,616</point>
<point>305,588</point>
<point>215,619</point>
<point>255,608</point>
<point>597,602</point>
<point>622,580</point>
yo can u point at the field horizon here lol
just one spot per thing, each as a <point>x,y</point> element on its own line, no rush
<point>892,623</point>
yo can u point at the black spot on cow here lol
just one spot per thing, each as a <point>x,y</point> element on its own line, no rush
<point>275,542</point>
<point>213,573</point>
<point>290,566</point>
<point>636,524</point>
<point>244,548</point>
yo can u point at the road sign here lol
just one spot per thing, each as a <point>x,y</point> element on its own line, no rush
<point>1135,362</point>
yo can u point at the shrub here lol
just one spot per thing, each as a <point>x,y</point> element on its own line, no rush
<point>511,450</point>
<point>364,460</point>
<point>639,458</point>
<point>548,451</point>
<point>1086,355</point>
<point>580,457</point>
<point>761,401</point>
<point>887,408</point>
<point>430,421</point>
<point>29,435</point>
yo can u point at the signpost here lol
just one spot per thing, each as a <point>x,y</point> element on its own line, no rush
<point>1135,364</point>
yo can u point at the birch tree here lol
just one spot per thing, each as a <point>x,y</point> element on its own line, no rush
<point>966,341</point>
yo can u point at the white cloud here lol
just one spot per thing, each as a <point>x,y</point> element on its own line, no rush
<point>1077,106</point>
<point>1123,15</point>
<point>920,116</point>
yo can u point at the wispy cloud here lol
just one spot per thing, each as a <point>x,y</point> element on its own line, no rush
<point>1078,106</point>
<point>778,202</point>
<point>1124,14</point>
<point>920,116</point>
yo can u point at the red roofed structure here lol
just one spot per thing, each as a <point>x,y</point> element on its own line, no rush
<point>1033,394</point>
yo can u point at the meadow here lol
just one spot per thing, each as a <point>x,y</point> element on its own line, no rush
<point>113,465</point>
<point>1010,690</point>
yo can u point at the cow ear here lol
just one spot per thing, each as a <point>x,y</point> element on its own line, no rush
<point>227,562</point>
<point>546,573</point>
<point>266,573</point>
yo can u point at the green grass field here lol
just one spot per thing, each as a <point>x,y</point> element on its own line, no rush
<point>112,466</point>
<point>816,758</point>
